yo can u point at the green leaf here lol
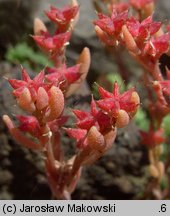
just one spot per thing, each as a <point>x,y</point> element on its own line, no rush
<point>23,54</point>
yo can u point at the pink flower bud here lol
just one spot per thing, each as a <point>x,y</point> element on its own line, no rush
<point>56,104</point>
<point>136,100</point>
<point>95,139</point>
<point>161,168</point>
<point>129,41</point>
<point>110,138</point>
<point>122,119</point>
<point>84,61</point>
<point>153,171</point>
<point>42,99</point>
<point>106,39</point>
<point>148,9</point>
<point>25,101</point>
<point>39,27</point>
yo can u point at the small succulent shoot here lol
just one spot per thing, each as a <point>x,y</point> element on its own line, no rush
<point>43,97</point>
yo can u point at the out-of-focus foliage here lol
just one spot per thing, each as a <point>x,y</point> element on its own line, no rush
<point>166,125</point>
<point>164,183</point>
<point>25,55</point>
<point>141,120</point>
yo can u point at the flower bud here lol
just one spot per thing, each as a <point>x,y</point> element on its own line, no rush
<point>25,101</point>
<point>161,168</point>
<point>129,40</point>
<point>153,171</point>
<point>122,119</point>
<point>136,100</point>
<point>42,99</point>
<point>39,27</point>
<point>56,104</point>
<point>148,9</point>
<point>84,61</point>
<point>110,138</point>
<point>110,41</point>
<point>95,139</point>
